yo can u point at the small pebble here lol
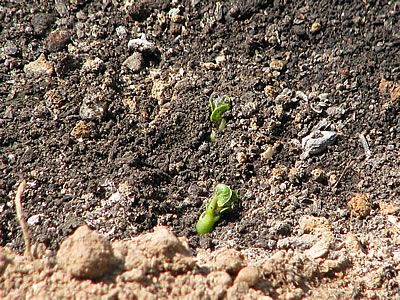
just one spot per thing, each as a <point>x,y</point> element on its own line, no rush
<point>121,32</point>
<point>134,62</point>
<point>269,152</point>
<point>241,157</point>
<point>301,95</point>
<point>318,175</point>
<point>92,108</point>
<point>249,274</point>
<point>320,249</point>
<point>210,66</point>
<point>270,90</point>
<point>10,49</point>
<point>390,147</point>
<point>315,225</point>
<point>315,27</point>
<point>81,130</point>
<point>281,228</point>
<point>34,220</point>
<point>39,67</point>
<point>93,65</point>
<point>335,111</point>
<point>220,59</point>
<point>277,64</point>
<point>141,45</point>
<point>300,31</point>
<point>336,265</point>
<point>352,243</point>
<point>57,40</point>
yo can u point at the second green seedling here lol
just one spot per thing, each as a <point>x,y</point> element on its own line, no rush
<point>218,106</point>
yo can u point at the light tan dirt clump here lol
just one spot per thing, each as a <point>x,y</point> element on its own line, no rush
<point>359,205</point>
<point>86,254</point>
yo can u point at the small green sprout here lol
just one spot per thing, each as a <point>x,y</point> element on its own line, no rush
<point>221,201</point>
<point>218,106</point>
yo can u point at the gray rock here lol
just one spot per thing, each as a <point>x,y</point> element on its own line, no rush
<point>142,45</point>
<point>10,49</point>
<point>93,107</point>
<point>41,22</point>
<point>284,97</point>
<point>316,142</point>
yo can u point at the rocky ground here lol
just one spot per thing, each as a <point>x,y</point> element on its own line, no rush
<point>104,111</point>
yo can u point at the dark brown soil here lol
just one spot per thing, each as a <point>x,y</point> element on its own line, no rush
<point>123,145</point>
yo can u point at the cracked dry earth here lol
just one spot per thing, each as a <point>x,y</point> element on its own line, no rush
<point>104,112</point>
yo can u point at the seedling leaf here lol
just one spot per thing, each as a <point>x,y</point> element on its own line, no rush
<point>216,114</point>
<point>221,201</point>
<point>218,106</point>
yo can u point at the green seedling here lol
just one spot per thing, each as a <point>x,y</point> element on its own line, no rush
<point>221,201</point>
<point>218,106</point>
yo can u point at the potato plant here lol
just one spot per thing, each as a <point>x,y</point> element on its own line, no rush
<point>218,106</point>
<point>221,201</point>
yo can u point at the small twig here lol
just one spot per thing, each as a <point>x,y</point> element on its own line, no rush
<point>364,143</point>
<point>341,175</point>
<point>21,219</point>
